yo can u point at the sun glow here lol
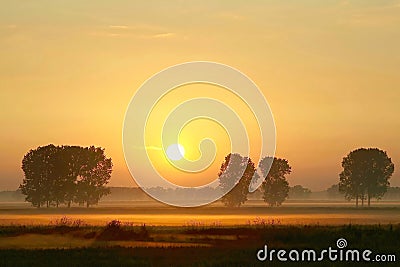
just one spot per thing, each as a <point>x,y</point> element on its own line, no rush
<point>193,134</point>
<point>175,152</point>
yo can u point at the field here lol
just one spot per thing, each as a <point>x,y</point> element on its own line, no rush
<point>151,234</point>
<point>152,213</point>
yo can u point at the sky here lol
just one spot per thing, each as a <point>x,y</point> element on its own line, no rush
<point>328,69</point>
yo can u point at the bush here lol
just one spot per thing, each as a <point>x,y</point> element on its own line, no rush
<point>115,230</point>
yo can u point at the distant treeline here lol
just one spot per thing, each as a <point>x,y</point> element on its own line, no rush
<point>136,194</point>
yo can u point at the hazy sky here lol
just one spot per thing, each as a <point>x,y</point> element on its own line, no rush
<point>329,70</point>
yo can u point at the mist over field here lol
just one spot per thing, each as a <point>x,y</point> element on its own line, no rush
<point>200,133</point>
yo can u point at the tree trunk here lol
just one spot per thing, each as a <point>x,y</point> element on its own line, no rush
<point>69,204</point>
<point>362,201</point>
<point>87,204</point>
<point>369,200</point>
<point>57,204</point>
<point>47,204</point>
<point>357,201</point>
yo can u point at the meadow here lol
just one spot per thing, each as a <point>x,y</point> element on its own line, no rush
<point>153,213</point>
<point>151,234</point>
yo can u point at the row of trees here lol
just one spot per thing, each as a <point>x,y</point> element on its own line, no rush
<point>275,187</point>
<point>366,173</point>
<point>55,175</point>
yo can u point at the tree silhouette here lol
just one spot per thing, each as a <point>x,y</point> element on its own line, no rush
<point>37,167</point>
<point>275,186</point>
<point>366,174</point>
<point>62,174</point>
<point>74,161</point>
<point>333,191</point>
<point>93,177</point>
<point>299,192</point>
<point>237,172</point>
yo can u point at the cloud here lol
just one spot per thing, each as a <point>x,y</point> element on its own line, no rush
<point>163,35</point>
<point>105,34</point>
<point>139,31</point>
<point>118,27</point>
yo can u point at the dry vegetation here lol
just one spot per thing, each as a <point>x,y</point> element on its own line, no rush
<point>113,234</point>
<point>73,243</point>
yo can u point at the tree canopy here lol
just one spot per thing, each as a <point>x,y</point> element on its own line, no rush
<point>275,186</point>
<point>299,192</point>
<point>366,173</point>
<point>237,172</point>
<point>55,175</point>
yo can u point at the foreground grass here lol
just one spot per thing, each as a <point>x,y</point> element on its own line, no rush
<point>192,245</point>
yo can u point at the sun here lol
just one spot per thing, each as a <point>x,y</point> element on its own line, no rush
<point>175,152</point>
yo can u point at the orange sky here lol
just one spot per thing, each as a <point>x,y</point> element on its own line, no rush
<point>329,70</point>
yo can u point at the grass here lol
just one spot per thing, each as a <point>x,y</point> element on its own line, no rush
<point>111,235</point>
<point>124,244</point>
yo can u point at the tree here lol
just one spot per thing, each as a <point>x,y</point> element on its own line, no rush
<point>393,193</point>
<point>236,172</point>
<point>299,192</point>
<point>60,182</point>
<point>94,176</point>
<point>53,175</point>
<point>74,161</point>
<point>333,191</point>
<point>37,167</point>
<point>275,186</point>
<point>366,174</point>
